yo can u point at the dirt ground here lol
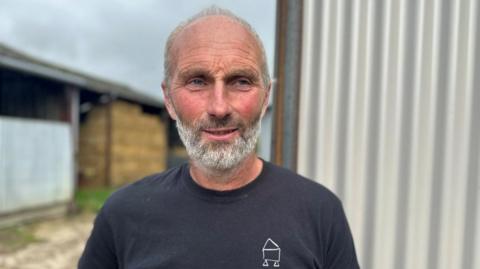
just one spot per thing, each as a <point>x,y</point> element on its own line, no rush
<point>55,244</point>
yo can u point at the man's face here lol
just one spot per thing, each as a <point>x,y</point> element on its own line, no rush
<point>216,93</point>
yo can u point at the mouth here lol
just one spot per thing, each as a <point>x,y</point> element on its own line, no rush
<point>220,134</point>
<point>222,131</point>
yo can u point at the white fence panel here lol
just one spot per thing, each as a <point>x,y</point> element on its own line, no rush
<point>36,163</point>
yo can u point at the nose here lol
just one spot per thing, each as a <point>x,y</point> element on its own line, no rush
<point>218,105</point>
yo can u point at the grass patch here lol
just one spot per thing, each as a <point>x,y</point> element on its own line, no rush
<point>15,238</point>
<point>91,200</point>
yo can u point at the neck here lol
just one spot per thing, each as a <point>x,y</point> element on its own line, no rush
<point>223,180</point>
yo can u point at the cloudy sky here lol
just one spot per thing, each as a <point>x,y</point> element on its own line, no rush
<point>120,40</point>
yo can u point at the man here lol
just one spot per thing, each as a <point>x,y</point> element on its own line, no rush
<point>226,208</point>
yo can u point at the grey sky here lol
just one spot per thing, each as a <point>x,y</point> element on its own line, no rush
<point>120,40</point>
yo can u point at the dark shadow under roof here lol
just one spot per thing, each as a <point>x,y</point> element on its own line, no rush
<point>15,59</point>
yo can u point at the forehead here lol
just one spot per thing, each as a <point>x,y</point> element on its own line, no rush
<point>216,39</point>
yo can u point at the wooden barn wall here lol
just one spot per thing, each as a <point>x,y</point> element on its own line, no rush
<point>26,96</point>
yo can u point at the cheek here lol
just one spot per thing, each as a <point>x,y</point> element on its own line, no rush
<point>189,107</point>
<point>248,107</point>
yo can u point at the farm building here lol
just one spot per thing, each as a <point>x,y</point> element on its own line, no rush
<point>60,128</point>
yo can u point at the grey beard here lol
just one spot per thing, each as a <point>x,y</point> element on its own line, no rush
<point>220,156</point>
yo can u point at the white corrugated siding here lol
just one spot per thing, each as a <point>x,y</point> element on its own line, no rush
<point>264,147</point>
<point>36,163</point>
<point>390,121</point>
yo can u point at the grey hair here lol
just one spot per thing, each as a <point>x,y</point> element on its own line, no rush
<point>212,11</point>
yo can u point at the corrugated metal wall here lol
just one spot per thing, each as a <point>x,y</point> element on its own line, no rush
<point>390,121</point>
<point>36,163</point>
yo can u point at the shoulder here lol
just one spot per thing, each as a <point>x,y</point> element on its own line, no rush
<point>316,206</point>
<point>291,183</point>
<point>135,194</point>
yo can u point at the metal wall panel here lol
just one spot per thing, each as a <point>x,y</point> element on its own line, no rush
<point>390,121</point>
<point>36,163</point>
<point>263,146</point>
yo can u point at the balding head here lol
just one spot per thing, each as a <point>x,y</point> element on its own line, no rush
<point>184,30</point>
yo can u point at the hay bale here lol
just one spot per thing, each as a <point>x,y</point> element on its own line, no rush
<point>138,144</point>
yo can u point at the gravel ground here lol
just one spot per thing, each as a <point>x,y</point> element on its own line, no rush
<point>59,245</point>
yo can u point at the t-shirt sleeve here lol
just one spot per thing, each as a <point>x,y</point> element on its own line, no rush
<point>340,249</point>
<point>100,249</point>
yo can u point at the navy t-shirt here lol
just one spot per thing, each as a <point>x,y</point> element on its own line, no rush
<point>279,220</point>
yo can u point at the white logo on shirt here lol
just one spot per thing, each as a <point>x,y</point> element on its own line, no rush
<point>271,253</point>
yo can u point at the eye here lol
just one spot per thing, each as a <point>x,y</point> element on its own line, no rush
<point>243,81</point>
<point>196,83</point>
<point>241,84</point>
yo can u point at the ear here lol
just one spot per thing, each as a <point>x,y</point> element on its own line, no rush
<point>168,102</point>
<point>266,98</point>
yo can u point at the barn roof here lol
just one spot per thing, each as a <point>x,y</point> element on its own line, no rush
<point>14,59</point>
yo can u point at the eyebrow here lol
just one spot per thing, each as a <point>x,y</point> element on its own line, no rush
<point>250,74</point>
<point>194,72</point>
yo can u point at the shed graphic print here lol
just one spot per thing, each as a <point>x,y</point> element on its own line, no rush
<point>271,253</point>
